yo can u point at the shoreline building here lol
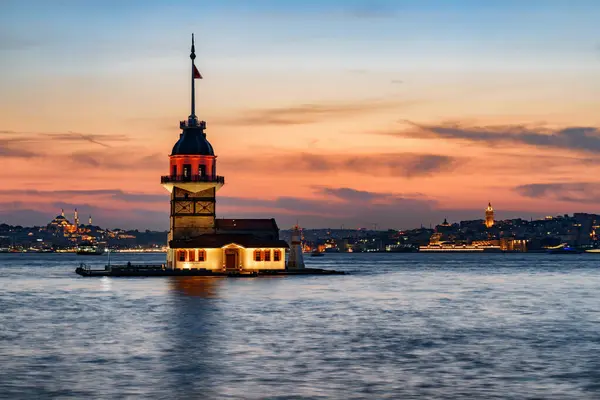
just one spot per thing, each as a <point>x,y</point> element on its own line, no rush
<point>197,239</point>
<point>489,216</point>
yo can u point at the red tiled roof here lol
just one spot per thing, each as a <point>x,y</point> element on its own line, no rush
<point>246,224</point>
<point>213,241</point>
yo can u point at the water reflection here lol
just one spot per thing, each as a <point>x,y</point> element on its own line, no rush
<point>106,284</point>
<point>193,358</point>
<point>196,286</point>
<point>398,326</point>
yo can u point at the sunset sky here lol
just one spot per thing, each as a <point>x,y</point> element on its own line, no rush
<point>398,113</point>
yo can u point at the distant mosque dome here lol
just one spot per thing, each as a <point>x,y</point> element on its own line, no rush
<point>193,142</point>
<point>60,220</point>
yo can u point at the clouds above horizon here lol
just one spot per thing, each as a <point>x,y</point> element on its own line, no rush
<point>10,138</point>
<point>572,192</point>
<point>304,121</point>
<point>406,165</point>
<point>574,138</point>
<point>310,113</point>
<point>68,149</point>
<point>332,205</point>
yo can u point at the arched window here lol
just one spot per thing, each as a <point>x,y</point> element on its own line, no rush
<point>201,255</point>
<point>191,255</point>
<point>257,255</point>
<point>276,255</point>
<point>267,255</point>
<point>181,255</point>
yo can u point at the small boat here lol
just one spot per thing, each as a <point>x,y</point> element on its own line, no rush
<point>90,249</point>
<point>564,250</point>
<point>317,254</point>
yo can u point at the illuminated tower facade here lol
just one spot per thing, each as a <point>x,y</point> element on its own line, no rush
<point>489,216</point>
<point>192,181</point>
<point>197,239</point>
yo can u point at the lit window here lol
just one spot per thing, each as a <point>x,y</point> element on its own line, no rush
<point>201,255</point>
<point>257,256</point>
<point>191,255</point>
<point>181,255</point>
<point>276,255</point>
<point>267,256</point>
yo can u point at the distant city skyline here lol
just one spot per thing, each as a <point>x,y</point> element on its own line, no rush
<point>312,222</point>
<point>322,112</point>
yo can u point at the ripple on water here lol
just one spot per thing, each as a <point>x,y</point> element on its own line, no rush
<point>399,326</point>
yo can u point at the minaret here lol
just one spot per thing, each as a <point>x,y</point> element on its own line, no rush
<point>76,219</point>
<point>90,220</point>
<point>62,212</point>
<point>192,180</point>
<point>489,216</point>
<point>296,259</point>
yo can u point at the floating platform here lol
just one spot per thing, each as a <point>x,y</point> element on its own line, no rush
<point>160,270</point>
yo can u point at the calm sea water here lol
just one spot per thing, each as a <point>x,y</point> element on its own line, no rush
<point>399,326</point>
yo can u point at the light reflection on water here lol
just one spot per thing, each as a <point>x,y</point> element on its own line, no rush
<point>399,326</point>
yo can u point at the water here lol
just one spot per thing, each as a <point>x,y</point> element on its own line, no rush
<point>399,326</point>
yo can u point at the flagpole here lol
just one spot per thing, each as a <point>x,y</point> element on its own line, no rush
<point>193,56</point>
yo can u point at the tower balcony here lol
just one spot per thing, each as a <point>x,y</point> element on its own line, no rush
<point>192,178</point>
<point>192,122</point>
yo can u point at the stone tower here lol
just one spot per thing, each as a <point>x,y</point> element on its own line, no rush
<point>489,216</point>
<point>192,179</point>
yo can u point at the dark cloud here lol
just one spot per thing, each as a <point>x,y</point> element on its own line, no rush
<point>19,144</point>
<point>107,194</point>
<point>27,145</point>
<point>117,159</point>
<point>361,196</point>
<point>91,138</point>
<point>22,216</point>
<point>311,113</point>
<point>336,206</point>
<point>8,150</point>
<point>406,165</point>
<point>576,192</point>
<point>583,139</point>
<point>348,194</point>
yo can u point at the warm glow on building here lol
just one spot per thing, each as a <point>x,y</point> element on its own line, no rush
<point>489,216</point>
<point>197,239</point>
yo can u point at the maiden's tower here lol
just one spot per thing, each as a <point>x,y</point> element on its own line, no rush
<point>197,238</point>
<point>199,243</point>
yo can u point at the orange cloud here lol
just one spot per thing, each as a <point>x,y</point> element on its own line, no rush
<point>312,113</point>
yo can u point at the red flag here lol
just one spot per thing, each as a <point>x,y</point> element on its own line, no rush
<point>197,73</point>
